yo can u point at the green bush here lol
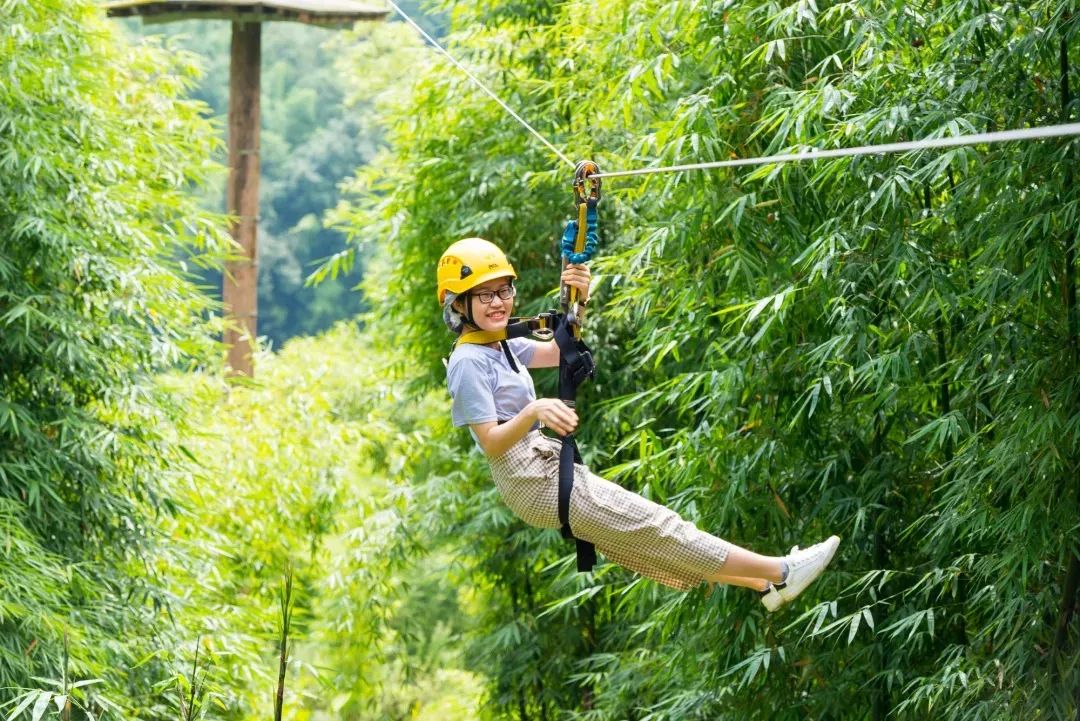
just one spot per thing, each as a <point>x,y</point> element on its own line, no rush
<point>97,151</point>
<point>305,471</point>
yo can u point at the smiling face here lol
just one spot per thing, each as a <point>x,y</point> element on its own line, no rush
<point>493,315</point>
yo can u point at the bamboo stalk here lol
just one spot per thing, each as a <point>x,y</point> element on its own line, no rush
<point>65,713</point>
<point>194,677</point>
<point>189,707</point>
<point>283,647</point>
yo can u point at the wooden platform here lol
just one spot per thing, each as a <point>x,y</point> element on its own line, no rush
<point>313,12</point>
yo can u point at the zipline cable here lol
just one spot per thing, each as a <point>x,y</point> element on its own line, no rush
<point>1036,133</point>
<point>1001,136</point>
<point>479,84</point>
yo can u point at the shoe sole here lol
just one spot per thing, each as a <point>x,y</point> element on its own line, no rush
<point>772,602</point>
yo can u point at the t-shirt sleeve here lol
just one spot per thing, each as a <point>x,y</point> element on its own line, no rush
<point>523,349</point>
<point>472,396</point>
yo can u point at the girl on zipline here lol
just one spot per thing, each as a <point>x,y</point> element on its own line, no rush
<point>493,394</point>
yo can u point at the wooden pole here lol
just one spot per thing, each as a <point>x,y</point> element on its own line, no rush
<point>242,197</point>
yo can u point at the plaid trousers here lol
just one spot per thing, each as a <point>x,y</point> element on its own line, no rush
<point>632,531</point>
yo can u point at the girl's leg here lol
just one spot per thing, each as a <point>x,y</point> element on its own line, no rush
<point>757,584</point>
<point>747,564</point>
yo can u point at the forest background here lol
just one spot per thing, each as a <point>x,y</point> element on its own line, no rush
<point>886,348</point>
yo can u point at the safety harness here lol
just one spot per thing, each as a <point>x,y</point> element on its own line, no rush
<point>541,327</point>
<point>575,359</point>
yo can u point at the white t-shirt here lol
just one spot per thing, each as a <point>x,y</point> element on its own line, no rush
<point>483,386</point>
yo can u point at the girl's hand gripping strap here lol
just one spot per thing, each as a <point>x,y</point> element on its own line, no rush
<point>580,239</point>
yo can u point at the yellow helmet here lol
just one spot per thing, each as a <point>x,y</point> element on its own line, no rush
<point>470,262</point>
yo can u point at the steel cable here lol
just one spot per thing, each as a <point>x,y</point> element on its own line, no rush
<point>1035,133</point>
<point>481,85</point>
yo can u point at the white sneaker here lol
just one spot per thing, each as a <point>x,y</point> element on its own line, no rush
<point>770,597</point>
<point>804,567</point>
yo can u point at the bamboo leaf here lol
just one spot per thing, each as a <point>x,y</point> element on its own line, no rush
<point>854,627</point>
<point>41,705</point>
<point>28,699</point>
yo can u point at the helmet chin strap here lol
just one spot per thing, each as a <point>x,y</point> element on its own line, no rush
<point>468,314</point>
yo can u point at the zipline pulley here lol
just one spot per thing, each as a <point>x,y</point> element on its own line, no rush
<point>583,176</point>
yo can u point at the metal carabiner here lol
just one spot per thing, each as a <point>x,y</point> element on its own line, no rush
<point>586,196</point>
<point>583,173</point>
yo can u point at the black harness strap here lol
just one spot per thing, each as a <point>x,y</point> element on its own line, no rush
<point>516,328</point>
<point>535,325</point>
<point>509,356</point>
<point>575,367</point>
<point>575,359</point>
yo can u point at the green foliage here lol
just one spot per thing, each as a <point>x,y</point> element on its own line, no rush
<point>886,348</point>
<point>303,471</point>
<point>310,141</point>
<point>147,520</point>
<point>97,152</point>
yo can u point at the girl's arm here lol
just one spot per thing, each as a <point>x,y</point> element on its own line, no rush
<point>546,353</point>
<point>497,439</point>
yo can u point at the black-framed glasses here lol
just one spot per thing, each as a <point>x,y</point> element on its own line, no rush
<point>486,296</point>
